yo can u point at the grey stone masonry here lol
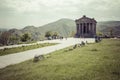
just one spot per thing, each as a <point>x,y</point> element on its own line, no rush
<point>85,27</point>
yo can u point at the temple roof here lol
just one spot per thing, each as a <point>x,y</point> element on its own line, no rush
<point>85,19</point>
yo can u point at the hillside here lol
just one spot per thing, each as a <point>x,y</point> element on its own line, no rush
<point>62,26</point>
<point>65,27</point>
<point>2,29</point>
<point>106,26</point>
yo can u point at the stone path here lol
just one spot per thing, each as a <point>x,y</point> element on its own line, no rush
<point>26,55</point>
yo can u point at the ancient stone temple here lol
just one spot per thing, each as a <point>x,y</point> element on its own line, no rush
<point>85,27</point>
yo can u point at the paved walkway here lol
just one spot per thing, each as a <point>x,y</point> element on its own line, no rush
<point>26,55</point>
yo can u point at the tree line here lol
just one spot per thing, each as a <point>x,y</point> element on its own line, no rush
<point>7,38</point>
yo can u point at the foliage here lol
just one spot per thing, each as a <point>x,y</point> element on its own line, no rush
<point>25,37</point>
<point>51,34</point>
<point>72,34</point>
<point>13,39</point>
<point>48,34</point>
<point>55,34</point>
<point>99,34</point>
<point>4,38</point>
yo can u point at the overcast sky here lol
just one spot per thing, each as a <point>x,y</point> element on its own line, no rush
<point>20,13</point>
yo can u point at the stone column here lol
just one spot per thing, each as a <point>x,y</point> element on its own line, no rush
<point>82,29</point>
<point>89,28</point>
<point>79,28</point>
<point>95,28</point>
<point>86,28</point>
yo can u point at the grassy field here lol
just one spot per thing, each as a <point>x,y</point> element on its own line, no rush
<point>98,61</point>
<point>6,51</point>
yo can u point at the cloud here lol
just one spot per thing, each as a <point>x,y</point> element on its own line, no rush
<point>38,12</point>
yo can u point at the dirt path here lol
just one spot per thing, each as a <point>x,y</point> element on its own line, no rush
<point>26,55</point>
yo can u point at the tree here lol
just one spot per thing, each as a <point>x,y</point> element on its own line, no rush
<point>42,37</point>
<point>25,37</point>
<point>4,38</point>
<point>99,34</point>
<point>55,35</point>
<point>48,34</point>
<point>72,34</point>
<point>14,39</point>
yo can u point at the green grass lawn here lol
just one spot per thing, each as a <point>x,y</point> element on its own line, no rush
<point>98,61</point>
<point>6,51</point>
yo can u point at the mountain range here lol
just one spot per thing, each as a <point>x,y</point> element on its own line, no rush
<point>106,26</point>
<point>65,27</point>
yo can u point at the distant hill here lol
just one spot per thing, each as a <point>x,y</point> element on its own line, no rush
<point>106,26</point>
<point>62,26</point>
<point>2,29</point>
<point>65,27</point>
